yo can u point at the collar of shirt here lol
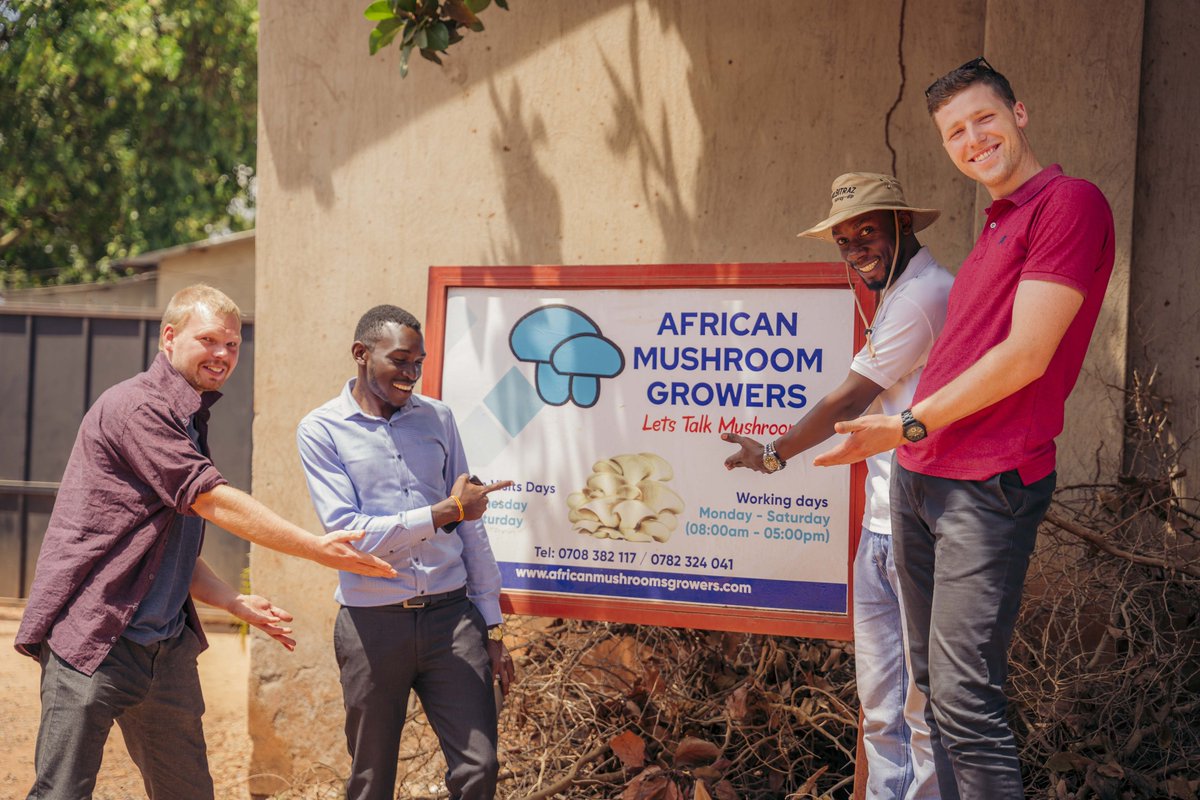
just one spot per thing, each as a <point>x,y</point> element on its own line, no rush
<point>349,408</point>
<point>1027,190</point>
<point>921,261</point>
<point>181,397</point>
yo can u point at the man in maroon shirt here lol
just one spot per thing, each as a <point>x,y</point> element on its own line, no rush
<point>110,613</point>
<point>975,453</point>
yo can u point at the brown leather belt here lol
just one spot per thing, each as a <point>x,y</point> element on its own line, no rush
<point>427,600</point>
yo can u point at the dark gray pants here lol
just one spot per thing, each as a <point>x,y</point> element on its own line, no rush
<point>152,692</point>
<point>962,550</point>
<point>440,652</point>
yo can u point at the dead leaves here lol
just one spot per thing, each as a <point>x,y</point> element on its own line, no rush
<point>654,783</point>
<point>630,748</point>
<point>693,752</point>
<point>698,772</point>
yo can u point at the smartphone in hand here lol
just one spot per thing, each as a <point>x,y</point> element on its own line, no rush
<point>499,696</point>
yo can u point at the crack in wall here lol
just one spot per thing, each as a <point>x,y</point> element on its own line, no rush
<point>887,120</point>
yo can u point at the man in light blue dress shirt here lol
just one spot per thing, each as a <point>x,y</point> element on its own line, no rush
<point>384,460</point>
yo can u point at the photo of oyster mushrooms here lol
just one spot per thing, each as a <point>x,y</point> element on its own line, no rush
<point>627,498</point>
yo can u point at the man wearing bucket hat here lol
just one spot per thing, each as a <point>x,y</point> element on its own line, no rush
<point>875,230</point>
<point>975,474</point>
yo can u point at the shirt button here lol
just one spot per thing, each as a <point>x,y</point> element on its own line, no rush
<point>151,576</point>
<point>113,640</point>
<point>993,225</point>
<point>399,456</point>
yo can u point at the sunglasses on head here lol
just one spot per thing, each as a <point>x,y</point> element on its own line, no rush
<point>979,63</point>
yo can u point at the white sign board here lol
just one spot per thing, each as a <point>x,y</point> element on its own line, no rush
<point>604,406</point>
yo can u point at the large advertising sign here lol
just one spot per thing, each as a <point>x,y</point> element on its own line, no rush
<point>602,394</point>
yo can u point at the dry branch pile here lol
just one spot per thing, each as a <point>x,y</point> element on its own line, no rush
<point>1105,676</point>
<point>642,713</point>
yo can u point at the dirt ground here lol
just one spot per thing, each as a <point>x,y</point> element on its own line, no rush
<point>224,668</point>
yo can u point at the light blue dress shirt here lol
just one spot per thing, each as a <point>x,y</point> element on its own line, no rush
<point>382,476</point>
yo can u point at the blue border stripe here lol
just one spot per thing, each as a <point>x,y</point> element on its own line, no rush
<point>829,598</point>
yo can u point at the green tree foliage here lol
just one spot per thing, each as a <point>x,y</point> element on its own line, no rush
<point>427,26</point>
<point>125,126</point>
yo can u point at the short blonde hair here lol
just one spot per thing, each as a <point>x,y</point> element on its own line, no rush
<point>188,300</point>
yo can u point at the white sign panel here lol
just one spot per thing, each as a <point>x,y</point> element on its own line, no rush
<point>605,406</point>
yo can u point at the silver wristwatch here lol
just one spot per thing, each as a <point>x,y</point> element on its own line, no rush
<point>771,460</point>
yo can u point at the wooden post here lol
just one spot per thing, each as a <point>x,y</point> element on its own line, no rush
<point>860,763</point>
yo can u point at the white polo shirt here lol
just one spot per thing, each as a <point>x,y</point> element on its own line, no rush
<point>910,317</point>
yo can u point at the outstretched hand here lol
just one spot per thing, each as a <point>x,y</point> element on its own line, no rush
<point>333,551</point>
<point>874,433</point>
<point>749,454</point>
<point>261,613</point>
<point>473,494</point>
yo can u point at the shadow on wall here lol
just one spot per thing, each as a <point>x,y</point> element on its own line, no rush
<point>735,144</point>
<point>776,124</point>
<point>309,131</point>
<point>532,204</point>
<point>655,155</point>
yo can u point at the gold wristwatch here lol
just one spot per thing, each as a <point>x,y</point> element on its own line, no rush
<point>771,460</point>
<point>496,633</point>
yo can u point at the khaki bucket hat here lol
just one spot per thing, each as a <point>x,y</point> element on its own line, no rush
<point>859,192</point>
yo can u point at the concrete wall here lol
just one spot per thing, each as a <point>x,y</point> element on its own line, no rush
<point>599,132</point>
<point>1082,98</point>
<point>228,265</point>
<point>1165,297</point>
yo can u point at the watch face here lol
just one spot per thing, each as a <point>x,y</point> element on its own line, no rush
<point>914,432</point>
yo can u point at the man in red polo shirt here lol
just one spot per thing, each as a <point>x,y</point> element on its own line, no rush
<point>975,453</point>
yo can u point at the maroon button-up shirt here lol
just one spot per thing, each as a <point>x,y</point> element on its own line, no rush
<point>132,470</point>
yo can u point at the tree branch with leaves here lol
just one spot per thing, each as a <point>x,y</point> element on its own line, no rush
<point>127,126</point>
<point>427,26</point>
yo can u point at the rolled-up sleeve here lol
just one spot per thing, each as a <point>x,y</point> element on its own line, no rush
<point>158,450</point>
<point>339,506</point>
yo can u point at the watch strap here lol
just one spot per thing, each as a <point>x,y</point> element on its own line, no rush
<point>914,429</point>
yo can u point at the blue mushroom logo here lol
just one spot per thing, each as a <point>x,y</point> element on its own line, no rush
<point>570,352</point>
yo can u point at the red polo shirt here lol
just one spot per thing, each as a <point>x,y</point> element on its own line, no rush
<point>1053,228</point>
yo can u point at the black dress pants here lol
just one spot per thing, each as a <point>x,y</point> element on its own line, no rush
<point>440,652</point>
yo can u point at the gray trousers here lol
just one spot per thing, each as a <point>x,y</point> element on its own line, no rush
<point>152,692</point>
<point>440,652</point>
<point>962,550</point>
